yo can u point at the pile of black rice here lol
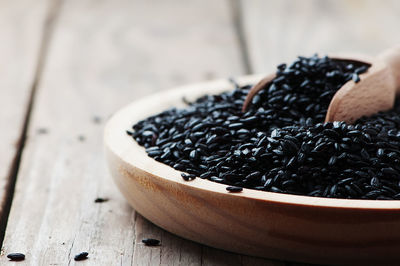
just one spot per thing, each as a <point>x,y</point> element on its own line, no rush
<point>281,144</point>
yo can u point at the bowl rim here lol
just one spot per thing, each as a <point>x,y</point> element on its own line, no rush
<point>130,153</point>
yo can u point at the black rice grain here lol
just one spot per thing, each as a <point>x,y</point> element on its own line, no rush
<point>81,256</point>
<point>281,143</point>
<point>233,189</point>
<point>16,256</point>
<point>151,242</point>
<point>188,177</point>
<point>100,200</point>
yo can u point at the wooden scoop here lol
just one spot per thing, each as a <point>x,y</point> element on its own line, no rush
<point>375,91</point>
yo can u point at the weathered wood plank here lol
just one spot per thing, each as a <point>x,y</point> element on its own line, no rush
<point>21,33</point>
<point>277,31</point>
<point>104,54</point>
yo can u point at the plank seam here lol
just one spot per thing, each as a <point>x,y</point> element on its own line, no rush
<point>48,27</point>
<point>237,17</point>
<point>201,255</point>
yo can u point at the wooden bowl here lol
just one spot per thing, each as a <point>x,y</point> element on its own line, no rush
<point>265,224</point>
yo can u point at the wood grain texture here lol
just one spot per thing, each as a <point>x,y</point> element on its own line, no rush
<point>279,30</point>
<point>104,54</point>
<point>21,32</point>
<point>375,92</point>
<point>392,58</point>
<point>108,53</point>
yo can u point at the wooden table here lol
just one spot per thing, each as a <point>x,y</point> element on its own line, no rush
<point>68,65</point>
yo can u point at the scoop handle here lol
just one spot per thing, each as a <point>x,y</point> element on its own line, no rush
<point>392,58</point>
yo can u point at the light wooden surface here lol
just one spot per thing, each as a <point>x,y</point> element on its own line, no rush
<point>278,31</point>
<point>101,55</point>
<point>21,24</point>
